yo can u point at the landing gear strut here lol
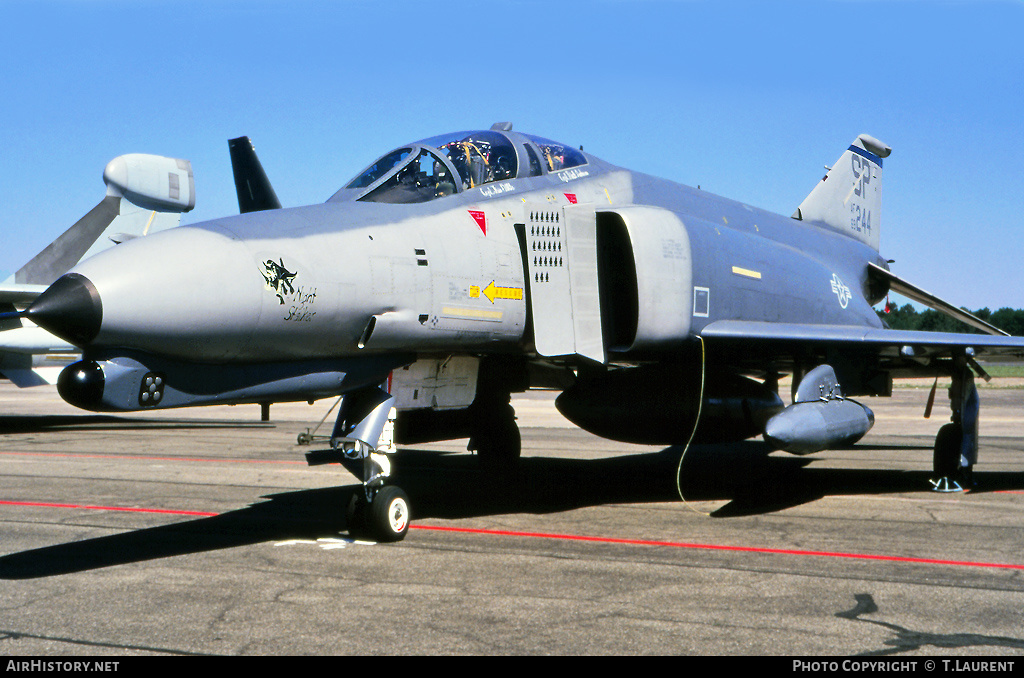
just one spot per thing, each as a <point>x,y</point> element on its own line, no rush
<point>956,445</point>
<point>365,431</point>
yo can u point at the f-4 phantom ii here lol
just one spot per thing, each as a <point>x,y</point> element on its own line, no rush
<point>457,270</point>
<point>145,194</point>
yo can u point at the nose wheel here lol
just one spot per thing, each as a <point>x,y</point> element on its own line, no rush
<point>365,431</point>
<point>384,517</point>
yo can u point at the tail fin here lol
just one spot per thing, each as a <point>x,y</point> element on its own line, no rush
<point>145,193</point>
<point>255,193</point>
<point>849,198</point>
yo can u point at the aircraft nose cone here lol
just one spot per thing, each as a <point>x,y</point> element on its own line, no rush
<point>70,308</point>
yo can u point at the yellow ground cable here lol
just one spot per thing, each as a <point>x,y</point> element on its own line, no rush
<point>700,407</point>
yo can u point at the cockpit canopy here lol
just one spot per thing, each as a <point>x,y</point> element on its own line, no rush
<point>452,163</point>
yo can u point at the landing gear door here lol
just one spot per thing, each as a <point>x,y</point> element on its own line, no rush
<point>561,261</point>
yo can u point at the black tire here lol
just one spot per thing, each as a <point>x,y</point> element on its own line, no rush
<point>388,514</point>
<point>355,515</point>
<point>498,443</point>
<point>946,458</point>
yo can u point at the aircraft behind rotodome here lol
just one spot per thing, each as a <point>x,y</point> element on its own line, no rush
<point>457,270</point>
<point>144,194</point>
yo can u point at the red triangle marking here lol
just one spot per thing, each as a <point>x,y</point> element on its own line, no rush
<point>480,218</point>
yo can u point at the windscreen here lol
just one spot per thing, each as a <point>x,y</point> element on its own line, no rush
<point>378,169</point>
<point>422,178</point>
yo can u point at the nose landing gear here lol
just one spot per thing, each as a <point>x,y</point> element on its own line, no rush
<point>384,516</point>
<point>364,431</point>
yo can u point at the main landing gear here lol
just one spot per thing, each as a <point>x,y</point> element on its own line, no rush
<point>495,436</point>
<point>364,431</point>
<point>956,445</point>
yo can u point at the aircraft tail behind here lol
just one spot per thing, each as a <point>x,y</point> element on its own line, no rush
<point>145,194</point>
<point>255,193</point>
<point>849,198</point>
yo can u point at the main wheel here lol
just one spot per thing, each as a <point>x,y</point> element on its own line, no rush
<point>946,458</point>
<point>497,442</point>
<point>388,517</point>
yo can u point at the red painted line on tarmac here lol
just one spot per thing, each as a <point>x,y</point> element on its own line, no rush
<point>716,547</point>
<point>67,455</point>
<point>585,538</point>
<point>37,504</point>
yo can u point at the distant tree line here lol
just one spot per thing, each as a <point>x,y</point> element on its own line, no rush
<point>907,318</point>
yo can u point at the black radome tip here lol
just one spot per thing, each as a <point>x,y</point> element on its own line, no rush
<point>69,308</point>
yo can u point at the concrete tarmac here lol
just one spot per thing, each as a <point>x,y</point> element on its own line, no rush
<point>203,532</point>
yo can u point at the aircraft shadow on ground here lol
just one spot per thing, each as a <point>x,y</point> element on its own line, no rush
<point>743,475</point>
<point>292,515</point>
<point>72,422</point>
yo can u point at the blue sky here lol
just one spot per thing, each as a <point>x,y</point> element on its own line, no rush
<point>748,99</point>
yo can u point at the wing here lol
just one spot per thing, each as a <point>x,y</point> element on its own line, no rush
<point>908,343</point>
<point>915,293</point>
<point>906,351</point>
<point>900,352</point>
<point>18,294</point>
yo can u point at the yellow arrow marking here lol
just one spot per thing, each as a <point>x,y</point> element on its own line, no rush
<point>493,292</point>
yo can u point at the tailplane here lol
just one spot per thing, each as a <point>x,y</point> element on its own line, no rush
<point>849,198</point>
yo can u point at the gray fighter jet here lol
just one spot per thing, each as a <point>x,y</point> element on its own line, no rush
<point>145,194</point>
<point>454,271</point>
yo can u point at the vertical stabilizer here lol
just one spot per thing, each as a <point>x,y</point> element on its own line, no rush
<point>255,193</point>
<point>849,198</point>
